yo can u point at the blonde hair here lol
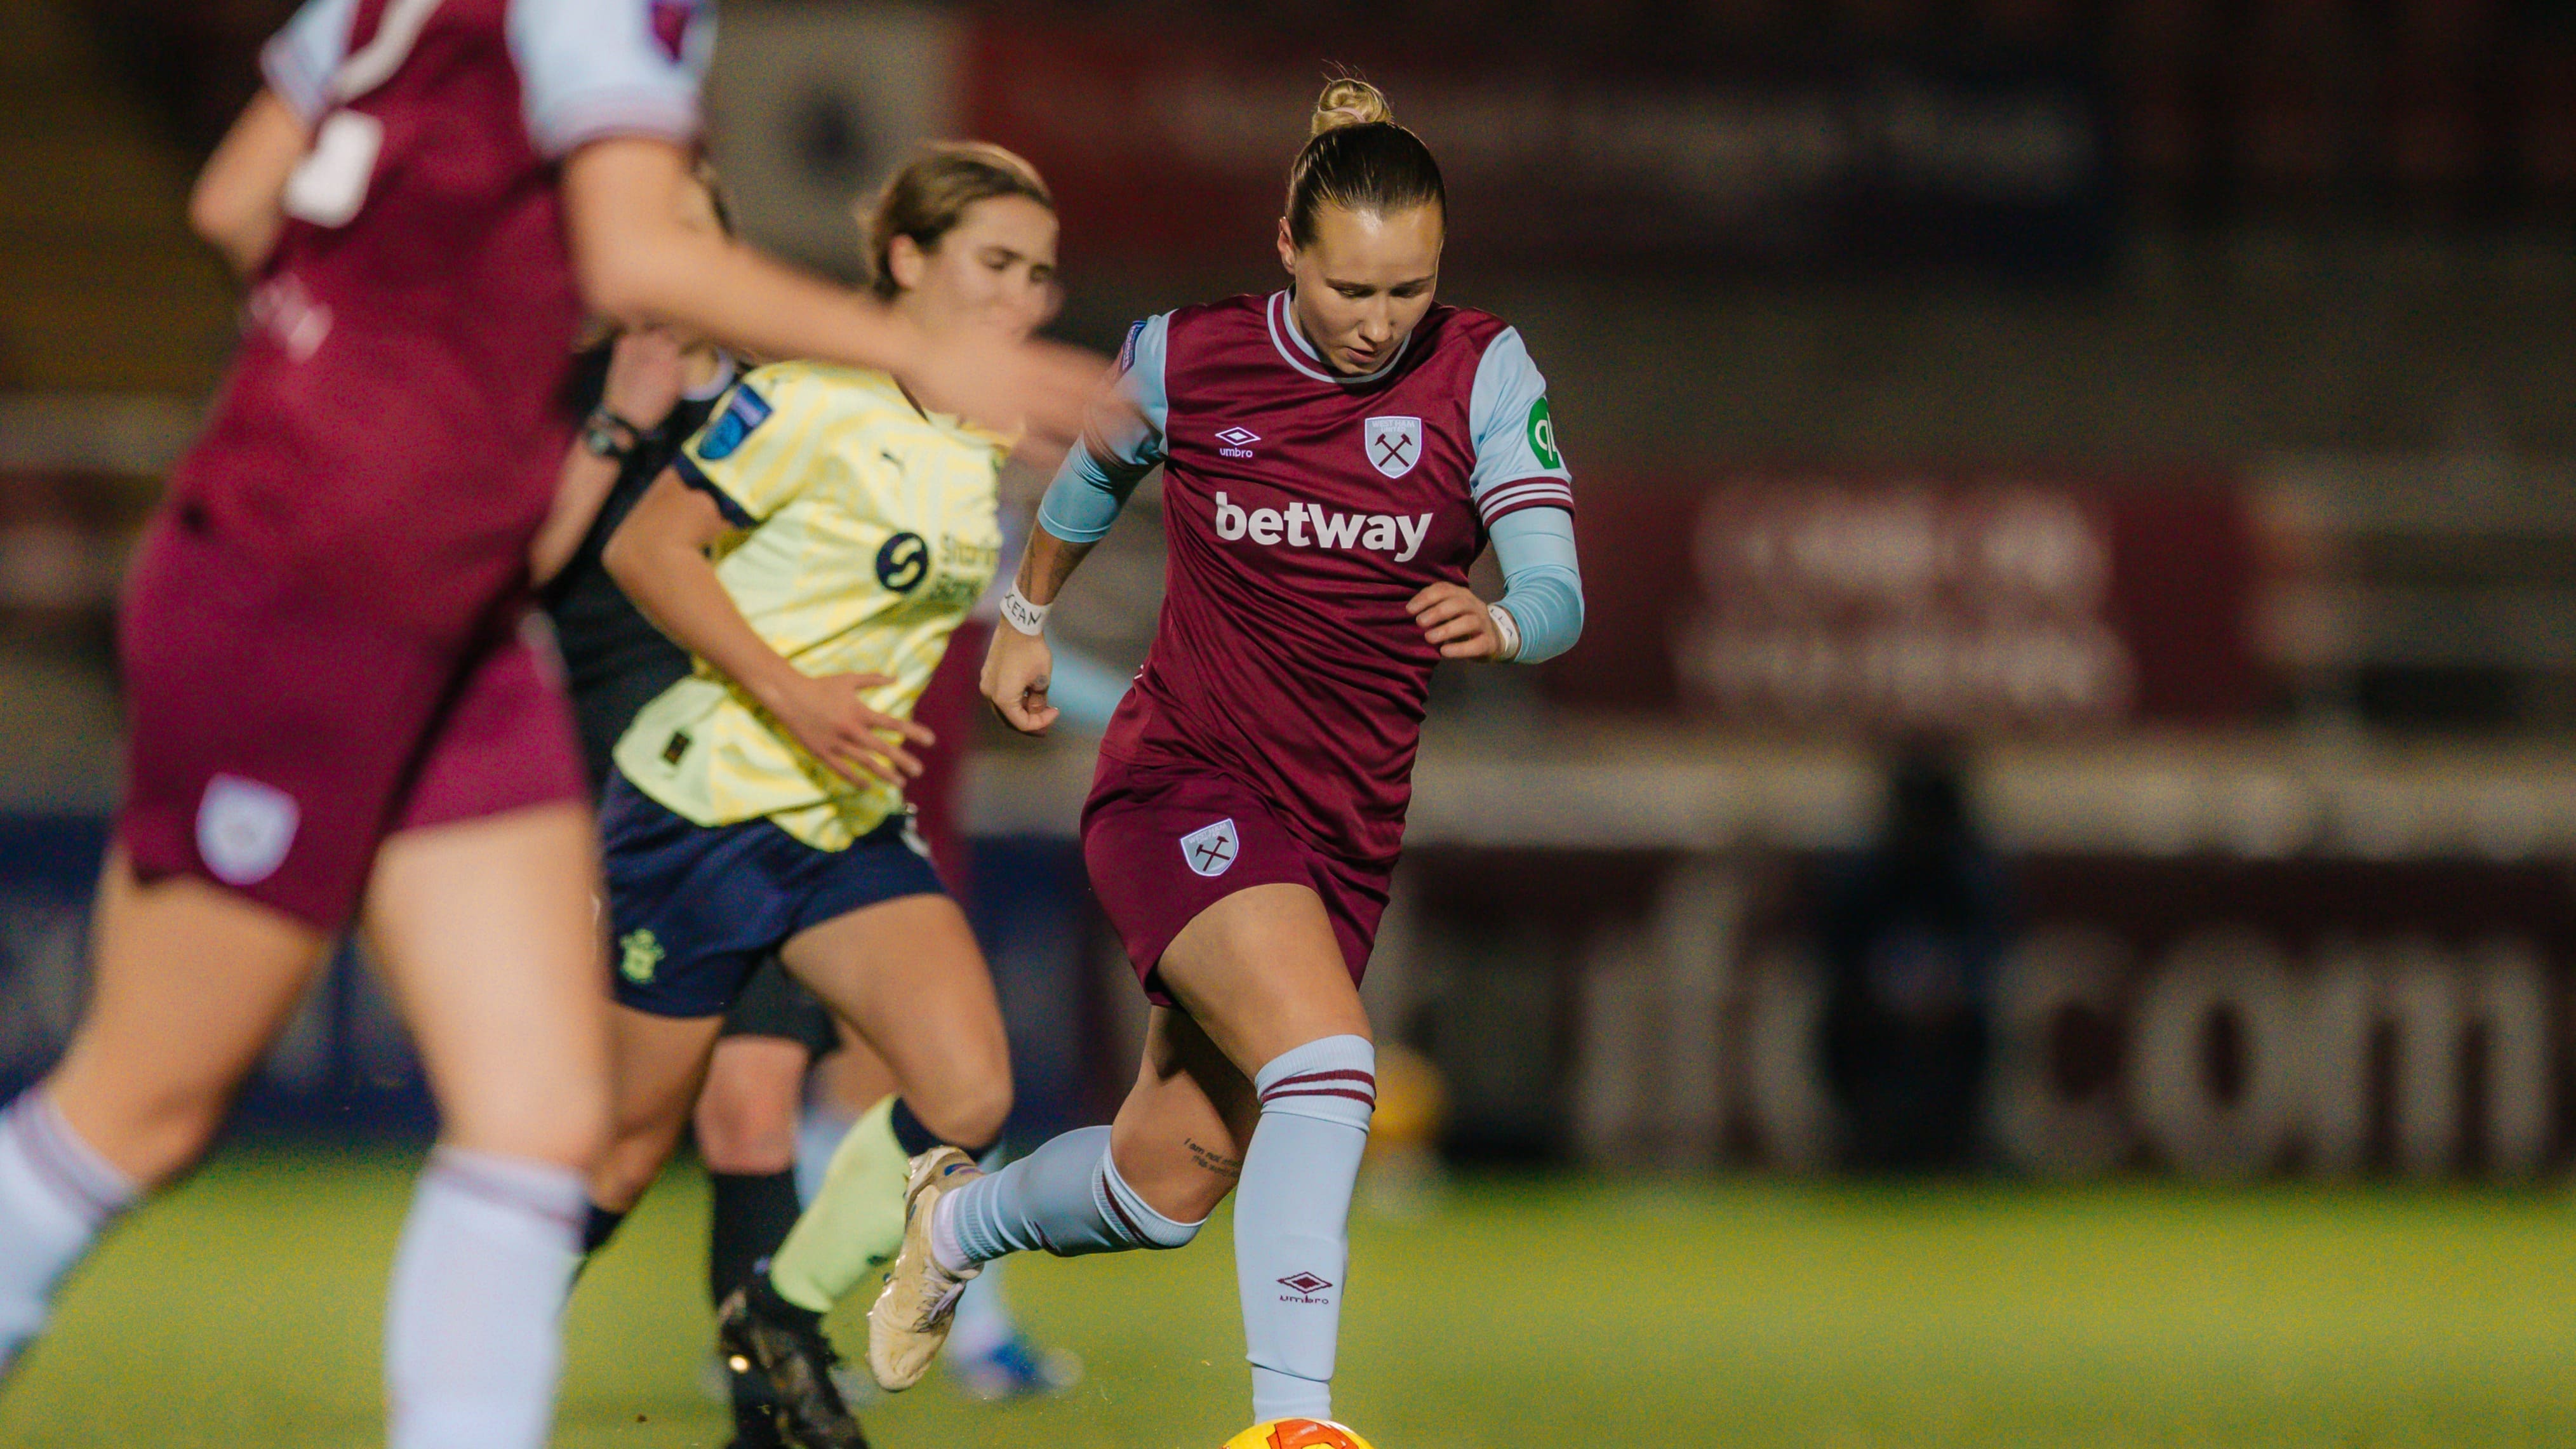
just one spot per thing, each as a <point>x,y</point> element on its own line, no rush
<point>1349,101</point>
<point>1356,157</point>
<point>927,198</point>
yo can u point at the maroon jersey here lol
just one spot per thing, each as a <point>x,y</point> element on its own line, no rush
<point>1304,511</point>
<point>389,436</point>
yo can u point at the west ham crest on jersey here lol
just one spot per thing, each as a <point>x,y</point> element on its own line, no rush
<point>1212,849</point>
<point>1394,445</point>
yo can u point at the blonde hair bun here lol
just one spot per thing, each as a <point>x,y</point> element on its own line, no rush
<point>1349,101</point>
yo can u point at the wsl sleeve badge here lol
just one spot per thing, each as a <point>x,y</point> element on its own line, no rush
<point>744,411</point>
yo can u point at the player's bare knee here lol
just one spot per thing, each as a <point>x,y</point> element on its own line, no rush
<point>970,1114</point>
<point>571,1131</point>
<point>743,1134</point>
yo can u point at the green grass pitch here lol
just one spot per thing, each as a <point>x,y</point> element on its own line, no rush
<point>244,1310</point>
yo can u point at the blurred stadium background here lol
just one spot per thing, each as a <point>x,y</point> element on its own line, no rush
<point>2079,504</point>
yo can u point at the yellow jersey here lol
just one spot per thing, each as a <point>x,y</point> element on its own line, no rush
<point>865,530</point>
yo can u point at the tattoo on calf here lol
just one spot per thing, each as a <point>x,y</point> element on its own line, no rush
<point>1213,1161</point>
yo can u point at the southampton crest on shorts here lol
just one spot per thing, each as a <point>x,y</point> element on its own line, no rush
<point>244,829</point>
<point>1394,444</point>
<point>1211,850</point>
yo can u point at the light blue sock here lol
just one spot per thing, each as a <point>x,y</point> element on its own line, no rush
<point>56,1195</point>
<point>1065,1198</point>
<point>1292,1215</point>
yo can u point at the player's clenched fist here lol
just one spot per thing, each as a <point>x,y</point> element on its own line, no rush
<point>1455,621</point>
<point>1017,670</point>
<point>827,716</point>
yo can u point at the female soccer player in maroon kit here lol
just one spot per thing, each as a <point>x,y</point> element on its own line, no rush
<point>1336,455</point>
<point>332,708</point>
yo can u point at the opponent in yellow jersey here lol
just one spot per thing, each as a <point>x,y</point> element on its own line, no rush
<point>868,529</point>
<point>813,547</point>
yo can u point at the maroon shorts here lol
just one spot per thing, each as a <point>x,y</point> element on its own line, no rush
<point>1165,842</point>
<point>275,739</point>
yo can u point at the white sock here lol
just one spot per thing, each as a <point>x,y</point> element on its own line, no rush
<point>56,1195</point>
<point>1292,1213</point>
<point>473,1342</point>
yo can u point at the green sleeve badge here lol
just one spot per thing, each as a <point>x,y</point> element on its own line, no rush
<point>1542,434</point>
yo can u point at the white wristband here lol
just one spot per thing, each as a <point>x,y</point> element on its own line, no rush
<point>1022,615</point>
<point>1505,626</point>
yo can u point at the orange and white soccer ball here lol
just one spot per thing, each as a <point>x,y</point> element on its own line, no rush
<point>1298,1434</point>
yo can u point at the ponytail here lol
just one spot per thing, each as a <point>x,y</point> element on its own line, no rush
<point>1356,157</point>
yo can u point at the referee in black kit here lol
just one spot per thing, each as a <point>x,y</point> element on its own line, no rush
<point>644,395</point>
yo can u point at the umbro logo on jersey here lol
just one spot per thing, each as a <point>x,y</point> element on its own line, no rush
<point>1238,442</point>
<point>1304,525</point>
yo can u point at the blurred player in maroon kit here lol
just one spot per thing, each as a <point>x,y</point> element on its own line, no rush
<point>1337,454</point>
<point>332,708</point>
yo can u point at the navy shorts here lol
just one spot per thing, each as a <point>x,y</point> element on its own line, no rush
<point>694,909</point>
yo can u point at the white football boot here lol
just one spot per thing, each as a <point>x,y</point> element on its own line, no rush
<point>910,1319</point>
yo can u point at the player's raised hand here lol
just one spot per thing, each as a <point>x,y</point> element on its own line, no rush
<point>1454,620</point>
<point>1038,389</point>
<point>1017,669</point>
<point>826,715</point>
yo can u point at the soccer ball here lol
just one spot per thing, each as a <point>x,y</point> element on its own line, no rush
<point>1298,1434</point>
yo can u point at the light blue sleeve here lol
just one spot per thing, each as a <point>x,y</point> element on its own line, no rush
<point>590,69</point>
<point>298,61</point>
<point>1517,462</point>
<point>1118,447</point>
<point>1542,582</point>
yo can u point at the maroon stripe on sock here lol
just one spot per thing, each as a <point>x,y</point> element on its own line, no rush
<point>1347,1074</point>
<point>1109,1195</point>
<point>1269,1097</point>
<point>54,1159</point>
<point>463,1177</point>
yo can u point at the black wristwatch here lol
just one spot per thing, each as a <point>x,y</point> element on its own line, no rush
<point>609,436</point>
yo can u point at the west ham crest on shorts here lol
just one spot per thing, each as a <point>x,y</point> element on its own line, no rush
<point>1211,851</point>
<point>1394,445</point>
<point>244,829</point>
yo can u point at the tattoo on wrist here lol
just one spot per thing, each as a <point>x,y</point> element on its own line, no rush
<point>1213,1161</point>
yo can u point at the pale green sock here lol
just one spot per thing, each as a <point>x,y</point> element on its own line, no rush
<point>854,1226</point>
